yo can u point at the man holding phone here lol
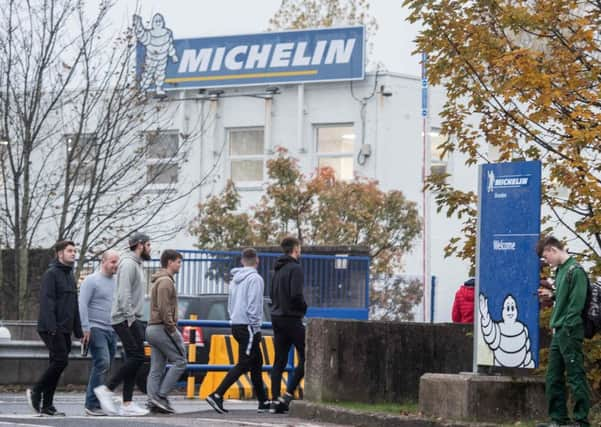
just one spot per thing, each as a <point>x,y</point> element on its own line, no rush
<point>95,302</point>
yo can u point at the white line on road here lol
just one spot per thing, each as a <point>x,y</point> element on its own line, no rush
<point>23,425</point>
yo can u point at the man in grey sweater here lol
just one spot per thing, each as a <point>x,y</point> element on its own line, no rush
<point>245,306</point>
<point>95,302</point>
<point>126,315</point>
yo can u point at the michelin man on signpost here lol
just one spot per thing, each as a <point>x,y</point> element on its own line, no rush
<point>508,339</point>
<point>158,42</point>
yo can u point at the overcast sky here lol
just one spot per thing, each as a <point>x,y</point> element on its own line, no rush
<point>393,43</point>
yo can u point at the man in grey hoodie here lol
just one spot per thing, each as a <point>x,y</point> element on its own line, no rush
<point>245,306</point>
<point>126,315</point>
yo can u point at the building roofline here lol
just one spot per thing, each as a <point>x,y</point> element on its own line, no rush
<point>393,74</point>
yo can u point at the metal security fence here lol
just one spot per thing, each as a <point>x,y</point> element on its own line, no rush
<point>331,281</point>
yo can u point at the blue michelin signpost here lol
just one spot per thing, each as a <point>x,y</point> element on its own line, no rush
<point>164,63</point>
<point>507,276</point>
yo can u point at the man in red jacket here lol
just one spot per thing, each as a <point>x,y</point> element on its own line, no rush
<point>463,306</point>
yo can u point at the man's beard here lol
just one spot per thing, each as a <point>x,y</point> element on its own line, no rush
<point>145,255</point>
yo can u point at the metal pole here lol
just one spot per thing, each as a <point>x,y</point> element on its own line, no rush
<point>425,164</point>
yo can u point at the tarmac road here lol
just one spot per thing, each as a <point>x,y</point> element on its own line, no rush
<point>14,411</point>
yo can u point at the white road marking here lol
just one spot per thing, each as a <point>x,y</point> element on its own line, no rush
<point>23,425</point>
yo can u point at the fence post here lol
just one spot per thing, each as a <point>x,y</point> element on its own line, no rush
<point>191,386</point>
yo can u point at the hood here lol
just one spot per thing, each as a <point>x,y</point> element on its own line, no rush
<point>55,263</point>
<point>283,260</point>
<point>159,275</point>
<point>242,273</point>
<point>130,255</point>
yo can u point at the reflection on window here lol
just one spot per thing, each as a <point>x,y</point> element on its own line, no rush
<point>217,312</point>
<point>162,173</point>
<point>161,157</point>
<point>335,149</point>
<point>247,160</point>
<point>81,152</point>
<point>438,161</point>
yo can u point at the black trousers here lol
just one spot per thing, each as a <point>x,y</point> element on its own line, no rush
<point>132,339</point>
<point>59,347</point>
<point>249,359</point>
<point>287,332</point>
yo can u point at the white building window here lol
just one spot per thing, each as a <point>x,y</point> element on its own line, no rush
<point>247,155</point>
<point>438,162</point>
<point>161,157</point>
<point>81,150</point>
<point>335,148</point>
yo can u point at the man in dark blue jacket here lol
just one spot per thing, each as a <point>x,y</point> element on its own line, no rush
<point>58,318</point>
<point>288,307</point>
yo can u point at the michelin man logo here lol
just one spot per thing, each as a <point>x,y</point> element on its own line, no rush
<point>491,182</point>
<point>508,339</point>
<point>158,41</point>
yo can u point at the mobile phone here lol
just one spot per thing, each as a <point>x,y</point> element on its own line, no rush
<point>84,349</point>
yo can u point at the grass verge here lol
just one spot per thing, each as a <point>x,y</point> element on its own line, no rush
<point>407,408</point>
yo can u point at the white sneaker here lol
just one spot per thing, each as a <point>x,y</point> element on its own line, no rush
<point>105,397</point>
<point>132,410</point>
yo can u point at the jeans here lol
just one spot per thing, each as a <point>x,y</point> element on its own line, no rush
<point>249,359</point>
<point>164,348</point>
<point>287,332</point>
<point>102,348</point>
<point>132,338</point>
<point>59,347</point>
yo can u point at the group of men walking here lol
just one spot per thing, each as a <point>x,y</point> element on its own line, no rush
<point>288,307</point>
<point>110,305</point>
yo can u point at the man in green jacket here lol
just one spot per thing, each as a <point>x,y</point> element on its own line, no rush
<point>565,354</point>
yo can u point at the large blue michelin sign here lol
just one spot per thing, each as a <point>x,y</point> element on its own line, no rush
<point>164,63</point>
<point>507,277</point>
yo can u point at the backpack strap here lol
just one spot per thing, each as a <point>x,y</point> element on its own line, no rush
<point>570,273</point>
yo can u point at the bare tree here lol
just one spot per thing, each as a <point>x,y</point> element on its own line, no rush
<point>298,14</point>
<point>76,136</point>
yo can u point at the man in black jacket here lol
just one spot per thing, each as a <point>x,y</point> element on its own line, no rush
<point>288,307</point>
<point>58,318</point>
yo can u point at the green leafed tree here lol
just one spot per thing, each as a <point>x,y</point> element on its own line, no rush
<point>320,210</point>
<point>218,225</point>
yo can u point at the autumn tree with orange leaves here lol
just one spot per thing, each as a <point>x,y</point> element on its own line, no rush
<point>321,210</point>
<point>522,79</point>
<point>522,82</point>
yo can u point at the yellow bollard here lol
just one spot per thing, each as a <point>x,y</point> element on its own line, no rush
<point>191,386</point>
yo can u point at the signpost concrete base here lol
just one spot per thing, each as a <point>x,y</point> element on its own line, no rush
<point>484,398</point>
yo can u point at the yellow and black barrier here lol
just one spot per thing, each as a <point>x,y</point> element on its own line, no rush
<point>224,351</point>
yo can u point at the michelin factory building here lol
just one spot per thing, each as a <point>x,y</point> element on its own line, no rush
<point>305,91</point>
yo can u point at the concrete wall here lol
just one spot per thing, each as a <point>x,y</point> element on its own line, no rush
<point>380,361</point>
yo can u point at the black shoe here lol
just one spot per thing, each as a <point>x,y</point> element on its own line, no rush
<point>279,406</point>
<point>34,399</point>
<point>154,409</point>
<point>264,406</point>
<point>216,403</point>
<point>163,404</point>
<point>52,412</point>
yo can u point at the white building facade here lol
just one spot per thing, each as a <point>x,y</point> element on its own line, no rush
<point>370,128</point>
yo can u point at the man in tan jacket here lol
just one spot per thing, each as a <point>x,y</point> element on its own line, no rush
<point>166,342</point>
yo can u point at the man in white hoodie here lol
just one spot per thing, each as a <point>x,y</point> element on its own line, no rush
<point>245,306</point>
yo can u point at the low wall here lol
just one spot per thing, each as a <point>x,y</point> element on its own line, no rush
<point>377,361</point>
<point>23,363</point>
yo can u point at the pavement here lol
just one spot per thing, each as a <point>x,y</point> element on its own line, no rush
<point>14,411</point>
